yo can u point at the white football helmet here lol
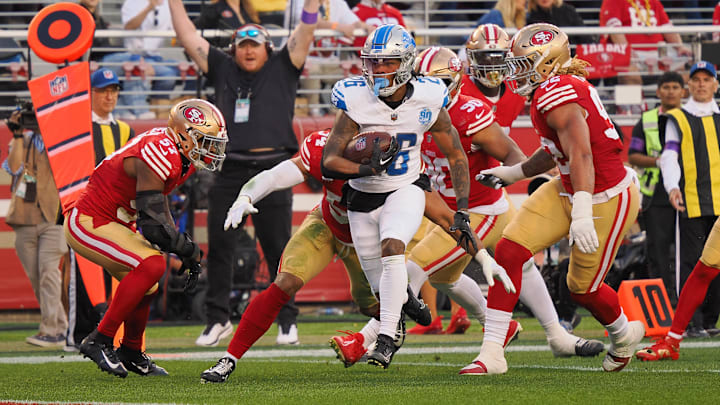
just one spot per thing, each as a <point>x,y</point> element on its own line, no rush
<point>442,63</point>
<point>537,52</point>
<point>390,41</point>
<point>199,130</point>
<point>486,49</point>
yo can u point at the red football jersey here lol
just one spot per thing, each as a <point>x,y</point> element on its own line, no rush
<point>387,14</point>
<point>605,142</point>
<point>468,115</point>
<point>507,108</point>
<point>634,13</point>
<point>334,213</point>
<point>110,193</point>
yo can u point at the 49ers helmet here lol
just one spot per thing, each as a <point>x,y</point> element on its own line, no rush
<point>199,130</point>
<point>537,52</point>
<point>442,63</point>
<point>486,49</point>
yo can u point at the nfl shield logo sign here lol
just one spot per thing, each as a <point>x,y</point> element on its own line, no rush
<point>58,85</point>
<point>361,143</point>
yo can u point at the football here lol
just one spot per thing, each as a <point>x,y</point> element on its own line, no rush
<point>360,148</point>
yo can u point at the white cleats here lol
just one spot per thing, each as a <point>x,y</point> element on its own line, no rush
<point>491,360</point>
<point>621,352</point>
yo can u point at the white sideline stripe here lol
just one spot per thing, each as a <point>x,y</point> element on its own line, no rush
<point>285,353</point>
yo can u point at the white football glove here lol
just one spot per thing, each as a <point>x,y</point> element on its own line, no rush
<point>582,227</point>
<point>237,212</point>
<point>501,176</point>
<point>492,271</point>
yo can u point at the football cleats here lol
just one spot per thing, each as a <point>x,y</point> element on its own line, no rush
<point>390,41</point>
<point>486,49</point>
<point>442,63</point>
<point>198,128</point>
<point>537,52</point>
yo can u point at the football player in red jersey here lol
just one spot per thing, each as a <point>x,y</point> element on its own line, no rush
<point>323,234</point>
<point>375,13</point>
<point>486,49</point>
<point>594,201</point>
<point>126,193</point>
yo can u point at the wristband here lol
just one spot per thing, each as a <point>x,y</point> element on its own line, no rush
<point>308,18</point>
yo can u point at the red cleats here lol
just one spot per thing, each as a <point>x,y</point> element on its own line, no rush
<point>664,348</point>
<point>459,323</point>
<point>435,328</point>
<point>349,348</point>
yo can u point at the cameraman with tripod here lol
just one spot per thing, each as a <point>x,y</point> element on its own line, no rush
<point>34,215</point>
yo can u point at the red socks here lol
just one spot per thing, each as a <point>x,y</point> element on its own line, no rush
<point>130,292</point>
<point>259,315</point>
<point>692,295</point>
<point>603,304</point>
<point>511,256</point>
<point>135,323</point>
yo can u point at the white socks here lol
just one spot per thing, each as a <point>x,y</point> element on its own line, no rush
<point>393,292</point>
<point>618,328</point>
<point>370,332</point>
<point>468,294</point>
<point>535,295</point>
<point>496,326</point>
<point>416,276</point>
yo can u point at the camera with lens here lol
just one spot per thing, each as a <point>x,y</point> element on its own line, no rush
<point>28,119</point>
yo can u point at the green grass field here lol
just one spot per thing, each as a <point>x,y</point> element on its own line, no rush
<point>424,371</point>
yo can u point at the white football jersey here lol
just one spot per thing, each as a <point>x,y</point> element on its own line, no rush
<point>407,123</point>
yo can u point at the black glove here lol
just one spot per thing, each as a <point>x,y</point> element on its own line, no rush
<point>462,223</point>
<point>380,161</point>
<point>193,267</point>
<point>183,246</point>
<point>491,181</point>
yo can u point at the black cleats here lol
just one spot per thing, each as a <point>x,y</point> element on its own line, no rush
<point>383,353</point>
<point>588,348</point>
<point>219,372</point>
<point>416,309</point>
<point>100,349</point>
<point>138,362</point>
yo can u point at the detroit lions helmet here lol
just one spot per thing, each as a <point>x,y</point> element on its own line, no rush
<point>390,41</point>
<point>537,52</point>
<point>199,130</point>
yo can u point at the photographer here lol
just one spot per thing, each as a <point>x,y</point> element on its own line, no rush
<point>34,216</point>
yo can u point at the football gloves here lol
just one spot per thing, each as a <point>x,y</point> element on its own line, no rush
<point>461,222</point>
<point>241,207</point>
<point>492,270</point>
<point>380,161</point>
<point>500,176</point>
<point>582,228</point>
<point>194,269</point>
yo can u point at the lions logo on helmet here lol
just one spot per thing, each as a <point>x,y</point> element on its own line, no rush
<point>390,41</point>
<point>537,52</point>
<point>486,49</point>
<point>199,130</point>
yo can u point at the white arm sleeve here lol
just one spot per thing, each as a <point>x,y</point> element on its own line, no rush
<point>668,162</point>
<point>285,175</point>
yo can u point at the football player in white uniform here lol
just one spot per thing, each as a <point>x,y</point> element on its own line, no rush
<point>385,197</point>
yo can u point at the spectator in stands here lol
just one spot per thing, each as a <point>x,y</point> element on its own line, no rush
<point>226,15</point>
<point>691,138</point>
<point>506,14</point>
<point>657,215</point>
<point>255,89</point>
<point>34,215</point>
<point>270,12</point>
<point>142,16</point>
<point>716,21</point>
<point>375,13</point>
<point>558,13</point>
<point>100,24</point>
<point>640,13</point>
<point>334,15</point>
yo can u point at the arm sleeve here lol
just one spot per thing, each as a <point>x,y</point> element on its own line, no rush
<point>285,175</point>
<point>637,143</point>
<point>668,162</point>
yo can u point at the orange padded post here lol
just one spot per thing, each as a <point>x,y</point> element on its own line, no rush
<point>647,301</point>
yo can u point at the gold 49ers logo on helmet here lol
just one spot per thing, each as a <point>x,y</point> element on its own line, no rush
<point>194,115</point>
<point>542,38</point>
